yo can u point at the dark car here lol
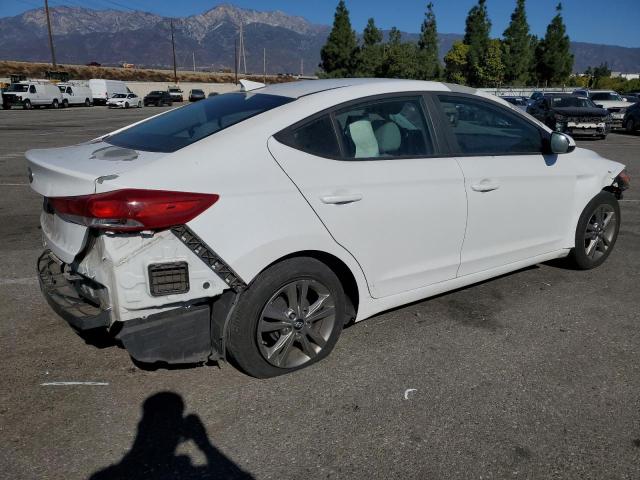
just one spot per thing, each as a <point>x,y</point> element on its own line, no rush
<point>158,98</point>
<point>212,94</point>
<point>196,94</point>
<point>520,102</point>
<point>571,114</point>
<point>631,120</point>
<point>631,97</point>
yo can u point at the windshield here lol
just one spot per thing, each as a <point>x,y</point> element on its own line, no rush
<point>572,102</point>
<point>18,87</point>
<point>174,90</point>
<point>606,96</point>
<point>155,92</point>
<point>184,126</point>
<point>119,95</point>
<point>62,88</point>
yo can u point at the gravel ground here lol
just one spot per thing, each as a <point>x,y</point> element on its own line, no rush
<point>531,375</point>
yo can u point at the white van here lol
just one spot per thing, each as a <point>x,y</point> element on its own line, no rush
<point>103,90</point>
<point>75,94</point>
<point>32,93</point>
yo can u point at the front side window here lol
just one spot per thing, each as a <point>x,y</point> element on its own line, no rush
<point>482,128</point>
<point>184,126</point>
<point>384,129</point>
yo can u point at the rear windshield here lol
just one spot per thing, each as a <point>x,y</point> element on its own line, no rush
<point>184,126</point>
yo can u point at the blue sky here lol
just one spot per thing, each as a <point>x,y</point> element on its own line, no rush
<point>614,22</point>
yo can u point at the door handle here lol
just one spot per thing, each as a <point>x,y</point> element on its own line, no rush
<point>341,199</point>
<point>485,186</point>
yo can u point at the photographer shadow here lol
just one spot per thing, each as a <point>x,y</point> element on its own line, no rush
<point>161,430</point>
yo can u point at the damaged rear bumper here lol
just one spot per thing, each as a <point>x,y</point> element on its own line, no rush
<point>187,332</point>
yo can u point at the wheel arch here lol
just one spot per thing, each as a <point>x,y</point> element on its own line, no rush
<point>339,267</point>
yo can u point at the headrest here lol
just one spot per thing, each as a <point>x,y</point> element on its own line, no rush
<point>361,133</point>
<point>389,137</point>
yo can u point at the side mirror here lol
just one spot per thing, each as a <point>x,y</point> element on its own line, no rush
<point>561,143</point>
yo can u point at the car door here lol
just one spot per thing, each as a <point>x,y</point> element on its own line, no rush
<point>372,172</point>
<point>520,200</point>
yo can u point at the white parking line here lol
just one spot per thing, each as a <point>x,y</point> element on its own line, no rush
<point>14,184</point>
<point>66,384</point>
<point>18,281</point>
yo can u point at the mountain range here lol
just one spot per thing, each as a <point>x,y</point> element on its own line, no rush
<point>111,37</point>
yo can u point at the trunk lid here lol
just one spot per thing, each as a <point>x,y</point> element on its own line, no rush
<point>70,171</point>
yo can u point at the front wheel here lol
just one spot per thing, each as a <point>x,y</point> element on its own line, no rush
<point>139,104</point>
<point>65,103</point>
<point>126,104</point>
<point>27,104</point>
<point>55,103</point>
<point>87,102</point>
<point>597,231</point>
<point>630,125</point>
<point>289,318</point>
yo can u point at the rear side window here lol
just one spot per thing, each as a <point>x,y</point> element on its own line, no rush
<point>481,128</point>
<point>184,126</point>
<point>384,129</point>
<point>316,137</point>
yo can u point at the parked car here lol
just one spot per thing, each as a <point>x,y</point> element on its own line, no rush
<point>571,114</point>
<point>631,97</point>
<point>124,100</point>
<point>196,94</point>
<point>212,94</point>
<point>102,90</point>
<point>75,94</point>
<point>256,224</point>
<point>28,94</point>
<point>608,99</point>
<point>520,102</point>
<point>176,93</point>
<point>158,98</point>
<point>631,119</point>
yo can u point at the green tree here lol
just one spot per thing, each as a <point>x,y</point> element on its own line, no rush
<point>555,60</point>
<point>370,55</point>
<point>493,69</point>
<point>429,67</point>
<point>455,62</point>
<point>476,36</point>
<point>338,55</point>
<point>599,73</point>
<point>400,58</point>
<point>516,47</point>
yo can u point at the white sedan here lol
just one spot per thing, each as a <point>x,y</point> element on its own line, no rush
<point>255,224</point>
<point>124,100</point>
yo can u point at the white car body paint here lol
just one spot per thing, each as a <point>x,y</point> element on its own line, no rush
<point>270,207</point>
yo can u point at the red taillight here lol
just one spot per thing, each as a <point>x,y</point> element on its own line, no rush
<point>133,210</point>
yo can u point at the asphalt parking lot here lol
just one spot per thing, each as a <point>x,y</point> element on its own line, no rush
<point>535,374</point>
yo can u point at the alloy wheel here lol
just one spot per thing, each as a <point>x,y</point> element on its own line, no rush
<point>600,231</point>
<point>296,323</point>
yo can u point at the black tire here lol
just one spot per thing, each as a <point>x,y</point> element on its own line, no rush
<point>159,103</point>
<point>170,103</point>
<point>630,125</point>
<point>126,104</point>
<point>65,104</point>
<point>55,103</point>
<point>27,104</point>
<point>243,335</point>
<point>87,102</point>
<point>583,239</point>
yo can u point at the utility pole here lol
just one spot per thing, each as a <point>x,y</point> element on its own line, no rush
<point>264,65</point>
<point>235,58</point>
<point>53,53</point>
<point>301,67</point>
<point>173,46</point>
<point>194,61</point>
<point>242,59</point>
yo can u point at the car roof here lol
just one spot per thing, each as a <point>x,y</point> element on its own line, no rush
<point>308,87</point>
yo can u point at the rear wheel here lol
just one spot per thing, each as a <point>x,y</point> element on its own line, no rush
<point>55,103</point>
<point>158,103</point>
<point>139,104</point>
<point>290,317</point>
<point>65,103</point>
<point>630,125</point>
<point>597,231</point>
<point>87,102</point>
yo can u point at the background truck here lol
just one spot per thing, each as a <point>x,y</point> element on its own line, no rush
<point>75,94</point>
